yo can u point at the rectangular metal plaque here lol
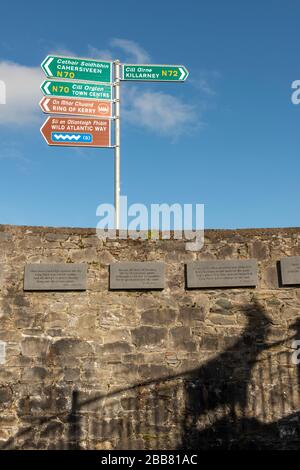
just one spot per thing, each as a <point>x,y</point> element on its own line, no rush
<point>2,352</point>
<point>55,277</point>
<point>227,273</point>
<point>137,275</point>
<point>290,270</point>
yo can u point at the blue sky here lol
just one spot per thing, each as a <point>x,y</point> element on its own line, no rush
<point>227,137</point>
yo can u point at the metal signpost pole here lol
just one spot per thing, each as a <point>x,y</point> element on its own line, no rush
<point>117,143</point>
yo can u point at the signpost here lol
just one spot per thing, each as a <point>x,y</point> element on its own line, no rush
<point>76,131</point>
<point>154,73</point>
<point>72,68</point>
<point>117,143</point>
<point>77,89</point>
<point>71,97</point>
<point>77,107</point>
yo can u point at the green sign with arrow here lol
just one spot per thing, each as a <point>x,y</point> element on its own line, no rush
<point>73,68</point>
<point>159,73</point>
<point>77,90</point>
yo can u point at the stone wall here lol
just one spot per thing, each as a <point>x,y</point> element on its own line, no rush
<point>167,369</point>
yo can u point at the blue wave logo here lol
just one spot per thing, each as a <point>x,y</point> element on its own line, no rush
<point>71,137</point>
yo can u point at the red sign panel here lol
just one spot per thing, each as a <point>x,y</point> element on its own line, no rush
<point>76,107</point>
<point>76,132</point>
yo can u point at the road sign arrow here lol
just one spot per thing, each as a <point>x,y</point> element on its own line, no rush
<point>46,66</point>
<point>154,73</point>
<point>62,88</point>
<point>76,107</point>
<point>183,73</point>
<point>77,132</point>
<point>74,68</point>
<point>45,88</point>
<point>45,104</point>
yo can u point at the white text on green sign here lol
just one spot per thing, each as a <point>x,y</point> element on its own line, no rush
<point>73,68</point>
<point>77,90</point>
<point>160,73</point>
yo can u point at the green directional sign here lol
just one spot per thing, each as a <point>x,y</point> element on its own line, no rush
<point>73,68</point>
<point>77,90</point>
<point>159,73</point>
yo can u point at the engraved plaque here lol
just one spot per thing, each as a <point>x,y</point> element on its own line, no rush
<point>290,270</point>
<point>2,352</point>
<point>55,277</point>
<point>227,273</point>
<point>137,275</point>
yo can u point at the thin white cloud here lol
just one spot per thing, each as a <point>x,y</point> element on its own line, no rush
<point>13,151</point>
<point>104,54</point>
<point>61,50</point>
<point>202,85</point>
<point>123,49</point>
<point>204,81</point>
<point>133,51</point>
<point>159,112</point>
<point>22,94</point>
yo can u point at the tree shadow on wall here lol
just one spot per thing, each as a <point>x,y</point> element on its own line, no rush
<point>74,425</point>
<point>153,408</point>
<point>220,388</point>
